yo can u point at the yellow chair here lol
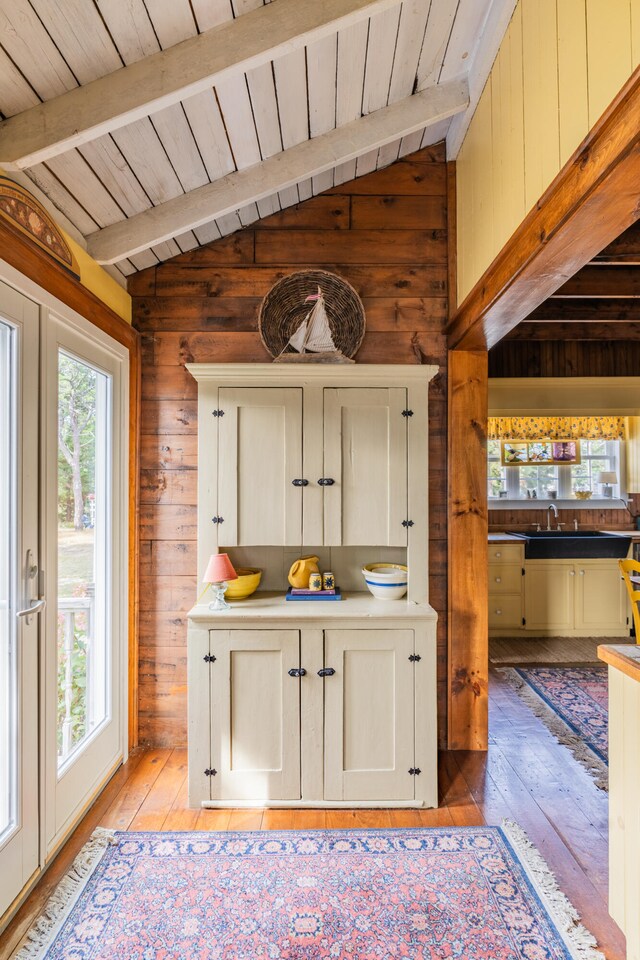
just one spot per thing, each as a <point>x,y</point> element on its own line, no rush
<point>628,569</point>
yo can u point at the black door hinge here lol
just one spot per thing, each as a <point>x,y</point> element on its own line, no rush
<point>524,622</point>
<point>414,657</point>
<point>217,519</point>
<point>210,772</point>
<point>415,771</point>
<point>218,413</point>
<point>209,658</point>
<point>407,523</point>
<point>407,413</point>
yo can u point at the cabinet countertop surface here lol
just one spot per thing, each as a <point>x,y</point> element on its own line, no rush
<point>504,538</point>
<point>273,606</point>
<point>624,657</point>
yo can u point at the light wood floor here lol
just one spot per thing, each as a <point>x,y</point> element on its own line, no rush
<point>525,776</point>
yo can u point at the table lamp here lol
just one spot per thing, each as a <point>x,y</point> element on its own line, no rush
<point>606,478</point>
<point>219,570</point>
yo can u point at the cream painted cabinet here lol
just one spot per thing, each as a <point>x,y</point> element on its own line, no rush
<point>369,714</point>
<point>311,716</point>
<point>549,591</point>
<point>259,456</point>
<point>365,466</point>
<point>600,599</point>
<point>255,714</point>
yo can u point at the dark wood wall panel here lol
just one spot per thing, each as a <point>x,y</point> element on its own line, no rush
<point>387,235</point>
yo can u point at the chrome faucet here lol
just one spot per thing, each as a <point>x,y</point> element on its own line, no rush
<point>551,507</point>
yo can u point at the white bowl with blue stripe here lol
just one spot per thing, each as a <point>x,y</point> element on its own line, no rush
<point>386,581</point>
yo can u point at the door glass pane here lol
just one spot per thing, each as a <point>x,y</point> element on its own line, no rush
<point>8,662</point>
<point>84,470</point>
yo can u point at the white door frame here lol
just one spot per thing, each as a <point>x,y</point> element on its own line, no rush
<point>52,837</point>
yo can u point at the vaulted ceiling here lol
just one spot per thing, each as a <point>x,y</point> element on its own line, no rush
<point>151,127</point>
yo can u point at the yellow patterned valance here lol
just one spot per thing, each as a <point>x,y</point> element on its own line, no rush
<point>556,428</point>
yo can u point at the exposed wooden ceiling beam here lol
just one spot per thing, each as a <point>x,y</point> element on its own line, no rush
<point>575,331</point>
<point>307,159</point>
<point>174,74</point>
<point>590,202</point>
<point>586,311</point>
<point>619,282</point>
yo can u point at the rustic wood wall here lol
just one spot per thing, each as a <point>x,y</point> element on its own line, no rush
<point>387,234</point>
<point>564,358</point>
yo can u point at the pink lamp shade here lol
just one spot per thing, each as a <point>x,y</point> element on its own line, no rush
<point>219,569</point>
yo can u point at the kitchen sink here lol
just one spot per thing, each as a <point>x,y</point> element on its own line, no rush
<point>573,545</point>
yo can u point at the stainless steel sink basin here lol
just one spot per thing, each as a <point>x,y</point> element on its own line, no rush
<point>573,545</point>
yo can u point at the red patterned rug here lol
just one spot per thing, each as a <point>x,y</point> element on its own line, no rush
<point>476,893</point>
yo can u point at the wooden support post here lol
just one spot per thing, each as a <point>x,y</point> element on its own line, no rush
<point>468,570</point>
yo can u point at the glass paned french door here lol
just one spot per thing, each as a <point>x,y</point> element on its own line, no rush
<point>63,575</point>
<point>20,601</point>
<point>84,459</point>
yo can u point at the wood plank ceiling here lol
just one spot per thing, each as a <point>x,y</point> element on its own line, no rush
<point>50,47</point>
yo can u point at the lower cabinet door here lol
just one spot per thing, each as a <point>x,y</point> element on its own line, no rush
<point>549,595</point>
<point>601,600</point>
<point>369,715</point>
<point>255,715</point>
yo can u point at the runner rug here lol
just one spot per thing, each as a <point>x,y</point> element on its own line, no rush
<point>468,893</point>
<point>573,703</point>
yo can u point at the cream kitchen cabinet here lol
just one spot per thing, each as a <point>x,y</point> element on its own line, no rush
<point>327,710</point>
<point>575,598</point>
<point>313,703</point>
<point>322,460</point>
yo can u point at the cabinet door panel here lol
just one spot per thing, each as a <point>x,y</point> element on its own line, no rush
<point>549,595</point>
<point>365,453</point>
<point>259,455</point>
<point>255,715</point>
<point>369,715</point>
<point>601,602</point>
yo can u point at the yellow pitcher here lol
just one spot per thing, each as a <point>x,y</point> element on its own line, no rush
<point>301,570</point>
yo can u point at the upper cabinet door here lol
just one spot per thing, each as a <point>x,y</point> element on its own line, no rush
<point>365,455</point>
<point>259,457</point>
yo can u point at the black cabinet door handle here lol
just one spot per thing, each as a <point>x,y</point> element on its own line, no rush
<point>300,483</point>
<point>326,482</point>
<point>326,672</point>
<point>297,672</point>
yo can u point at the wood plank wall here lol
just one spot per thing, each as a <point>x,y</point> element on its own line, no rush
<point>387,235</point>
<point>565,358</point>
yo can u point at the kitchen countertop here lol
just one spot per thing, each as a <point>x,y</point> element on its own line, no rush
<point>624,657</point>
<point>273,606</point>
<point>503,538</point>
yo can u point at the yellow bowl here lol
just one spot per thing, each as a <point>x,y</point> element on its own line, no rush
<point>247,583</point>
<point>583,494</point>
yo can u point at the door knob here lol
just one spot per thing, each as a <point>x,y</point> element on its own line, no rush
<point>326,672</point>
<point>326,482</point>
<point>300,483</point>
<point>297,672</point>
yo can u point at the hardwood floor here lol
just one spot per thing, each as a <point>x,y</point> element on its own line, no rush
<point>525,776</point>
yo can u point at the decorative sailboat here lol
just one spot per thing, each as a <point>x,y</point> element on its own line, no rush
<point>312,341</point>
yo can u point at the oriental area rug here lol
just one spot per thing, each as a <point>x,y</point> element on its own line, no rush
<point>573,703</point>
<point>470,893</point>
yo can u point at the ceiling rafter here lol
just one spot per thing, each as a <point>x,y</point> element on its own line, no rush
<point>307,159</point>
<point>181,71</point>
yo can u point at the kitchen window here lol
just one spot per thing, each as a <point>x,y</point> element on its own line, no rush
<point>553,481</point>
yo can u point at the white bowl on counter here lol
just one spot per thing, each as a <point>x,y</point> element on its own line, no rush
<point>386,581</point>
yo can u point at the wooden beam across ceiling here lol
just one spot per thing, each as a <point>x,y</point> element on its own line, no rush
<point>177,73</point>
<point>575,331</point>
<point>307,159</point>
<point>604,281</point>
